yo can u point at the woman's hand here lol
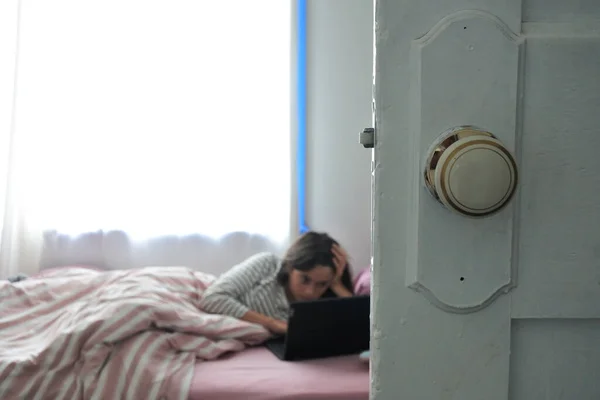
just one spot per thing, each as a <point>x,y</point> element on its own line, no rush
<point>340,259</point>
<point>278,327</point>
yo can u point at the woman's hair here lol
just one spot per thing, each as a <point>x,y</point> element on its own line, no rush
<point>308,251</point>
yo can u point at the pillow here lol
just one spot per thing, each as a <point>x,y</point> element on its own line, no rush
<point>362,283</point>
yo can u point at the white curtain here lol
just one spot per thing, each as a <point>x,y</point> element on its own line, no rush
<point>144,132</point>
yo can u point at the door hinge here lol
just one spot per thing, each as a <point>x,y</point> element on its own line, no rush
<point>367,138</point>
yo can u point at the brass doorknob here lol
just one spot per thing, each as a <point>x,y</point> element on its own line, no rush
<point>470,172</point>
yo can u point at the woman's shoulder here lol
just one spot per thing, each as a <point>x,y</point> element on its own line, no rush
<point>264,260</point>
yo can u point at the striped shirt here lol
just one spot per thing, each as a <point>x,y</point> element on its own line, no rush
<point>250,285</point>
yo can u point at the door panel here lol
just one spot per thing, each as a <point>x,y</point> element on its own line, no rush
<point>560,11</point>
<point>559,249</point>
<point>524,322</point>
<point>555,359</point>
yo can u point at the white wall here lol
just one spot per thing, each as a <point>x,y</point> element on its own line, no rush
<point>340,70</point>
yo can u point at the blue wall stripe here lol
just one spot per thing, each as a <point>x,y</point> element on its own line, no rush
<point>301,113</point>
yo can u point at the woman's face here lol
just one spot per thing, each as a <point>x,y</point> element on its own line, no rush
<point>310,285</point>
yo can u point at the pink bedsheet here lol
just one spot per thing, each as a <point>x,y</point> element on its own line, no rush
<point>256,374</point>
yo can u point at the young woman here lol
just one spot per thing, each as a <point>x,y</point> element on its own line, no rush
<point>260,288</point>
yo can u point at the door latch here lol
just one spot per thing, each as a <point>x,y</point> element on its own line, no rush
<point>367,138</point>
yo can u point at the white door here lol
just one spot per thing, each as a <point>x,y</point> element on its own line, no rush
<point>506,306</point>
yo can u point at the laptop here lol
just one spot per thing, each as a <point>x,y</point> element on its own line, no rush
<point>325,328</point>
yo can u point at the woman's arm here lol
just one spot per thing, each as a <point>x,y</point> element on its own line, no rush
<point>340,290</point>
<point>269,323</point>
<point>222,296</point>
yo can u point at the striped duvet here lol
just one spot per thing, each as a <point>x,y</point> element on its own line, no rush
<point>136,334</point>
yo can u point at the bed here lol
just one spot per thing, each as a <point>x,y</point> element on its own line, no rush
<point>201,365</point>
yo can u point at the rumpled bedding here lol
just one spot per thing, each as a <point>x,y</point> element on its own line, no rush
<point>131,334</point>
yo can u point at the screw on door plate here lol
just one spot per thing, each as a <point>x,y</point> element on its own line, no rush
<point>367,138</point>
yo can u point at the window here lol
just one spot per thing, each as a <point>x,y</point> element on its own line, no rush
<point>154,117</point>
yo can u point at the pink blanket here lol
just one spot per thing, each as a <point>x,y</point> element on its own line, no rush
<point>82,334</point>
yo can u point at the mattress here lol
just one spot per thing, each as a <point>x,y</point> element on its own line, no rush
<point>256,374</point>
